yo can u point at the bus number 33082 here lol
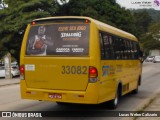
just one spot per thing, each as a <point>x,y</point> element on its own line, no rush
<point>74,70</point>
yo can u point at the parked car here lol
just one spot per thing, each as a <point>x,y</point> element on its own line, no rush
<point>156,59</point>
<point>14,71</point>
<point>149,59</point>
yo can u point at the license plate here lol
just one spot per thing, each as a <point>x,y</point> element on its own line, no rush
<point>55,96</point>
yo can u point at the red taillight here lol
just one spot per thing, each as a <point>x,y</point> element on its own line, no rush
<point>22,71</point>
<point>93,74</point>
<point>86,21</point>
<point>33,23</point>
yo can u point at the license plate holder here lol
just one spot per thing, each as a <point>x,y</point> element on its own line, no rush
<point>55,96</point>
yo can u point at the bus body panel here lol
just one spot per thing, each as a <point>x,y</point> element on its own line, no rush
<point>57,73</point>
<point>113,73</point>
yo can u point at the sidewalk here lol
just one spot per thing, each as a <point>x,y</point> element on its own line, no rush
<point>4,82</point>
<point>154,106</point>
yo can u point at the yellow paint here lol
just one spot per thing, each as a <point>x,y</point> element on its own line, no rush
<point>48,78</point>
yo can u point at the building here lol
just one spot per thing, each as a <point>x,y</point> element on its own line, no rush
<point>154,52</point>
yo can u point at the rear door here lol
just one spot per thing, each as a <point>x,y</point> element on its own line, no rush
<point>57,56</point>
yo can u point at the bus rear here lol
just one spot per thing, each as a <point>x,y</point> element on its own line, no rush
<point>57,63</point>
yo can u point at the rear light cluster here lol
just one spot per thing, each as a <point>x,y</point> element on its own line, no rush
<point>93,74</point>
<point>33,23</point>
<point>22,72</point>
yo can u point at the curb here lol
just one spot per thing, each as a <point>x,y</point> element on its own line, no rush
<point>147,103</point>
<point>9,84</point>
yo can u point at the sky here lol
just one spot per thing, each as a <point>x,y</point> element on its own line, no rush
<point>139,4</point>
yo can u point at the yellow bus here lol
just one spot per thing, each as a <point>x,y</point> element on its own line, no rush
<point>73,59</point>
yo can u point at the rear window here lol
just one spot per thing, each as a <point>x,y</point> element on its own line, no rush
<point>58,39</point>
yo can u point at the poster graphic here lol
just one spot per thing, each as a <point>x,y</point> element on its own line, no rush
<point>58,39</point>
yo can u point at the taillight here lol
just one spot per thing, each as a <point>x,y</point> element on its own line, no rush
<point>33,23</point>
<point>22,71</point>
<point>93,74</point>
<point>86,21</point>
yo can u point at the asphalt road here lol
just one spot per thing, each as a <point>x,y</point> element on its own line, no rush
<point>10,99</point>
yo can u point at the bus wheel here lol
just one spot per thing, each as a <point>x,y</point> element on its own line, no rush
<point>114,103</point>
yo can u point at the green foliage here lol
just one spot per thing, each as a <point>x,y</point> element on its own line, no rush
<point>155,14</point>
<point>16,16</point>
<point>151,40</point>
<point>107,11</point>
<point>143,20</point>
<point>147,24</point>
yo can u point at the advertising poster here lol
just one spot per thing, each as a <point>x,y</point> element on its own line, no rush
<point>58,39</point>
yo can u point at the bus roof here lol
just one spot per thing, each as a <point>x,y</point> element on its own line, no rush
<point>100,25</point>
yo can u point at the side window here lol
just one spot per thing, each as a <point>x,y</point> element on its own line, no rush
<point>107,46</point>
<point>121,48</point>
<point>102,46</point>
<point>129,49</point>
<point>126,49</point>
<point>132,49</point>
<point>135,44</point>
<point>111,47</point>
<point>115,46</point>
<point>118,49</point>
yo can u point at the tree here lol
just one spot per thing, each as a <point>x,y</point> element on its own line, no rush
<point>107,11</point>
<point>151,40</point>
<point>16,16</point>
<point>142,20</point>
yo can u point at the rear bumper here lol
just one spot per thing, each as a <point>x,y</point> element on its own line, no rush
<point>90,96</point>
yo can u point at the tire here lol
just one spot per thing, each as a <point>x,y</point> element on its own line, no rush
<point>114,103</point>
